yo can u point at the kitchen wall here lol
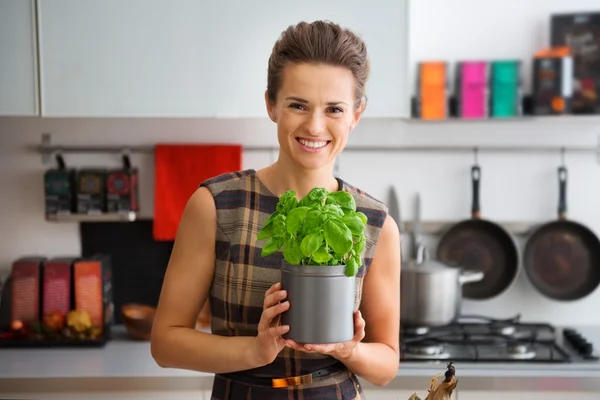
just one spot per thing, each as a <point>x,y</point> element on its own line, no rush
<point>515,187</point>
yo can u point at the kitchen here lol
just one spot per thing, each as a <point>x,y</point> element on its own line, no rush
<point>133,108</point>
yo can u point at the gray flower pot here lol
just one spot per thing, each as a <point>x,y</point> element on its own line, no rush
<point>321,303</point>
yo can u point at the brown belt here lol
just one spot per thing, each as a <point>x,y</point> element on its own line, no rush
<point>287,381</point>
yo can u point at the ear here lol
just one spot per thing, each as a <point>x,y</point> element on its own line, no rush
<point>357,114</point>
<point>270,107</point>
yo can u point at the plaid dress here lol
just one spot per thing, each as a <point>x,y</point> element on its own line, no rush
<point>242,276</point>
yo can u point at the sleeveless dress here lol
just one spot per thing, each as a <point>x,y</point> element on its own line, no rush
<point>242,276</point>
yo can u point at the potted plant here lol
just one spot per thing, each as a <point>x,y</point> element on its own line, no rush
<point>323,238</point>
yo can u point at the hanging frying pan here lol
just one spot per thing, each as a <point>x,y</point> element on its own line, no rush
<point>562,258</point>
<point>481,245</point>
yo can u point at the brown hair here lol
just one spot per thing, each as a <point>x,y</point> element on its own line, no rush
<point>318,42</point>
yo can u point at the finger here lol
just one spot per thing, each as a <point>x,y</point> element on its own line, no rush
<point>277,330</point>
<point>274,298</point>
<point>274,287</point>
<point>359,327</point>
<point>271,312</point>
<point>295,346</point>
<point>321,348</point>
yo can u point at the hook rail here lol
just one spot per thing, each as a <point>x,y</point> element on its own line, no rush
<point>47,149</point>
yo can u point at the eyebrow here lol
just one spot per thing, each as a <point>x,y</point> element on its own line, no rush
<point>301,100</point>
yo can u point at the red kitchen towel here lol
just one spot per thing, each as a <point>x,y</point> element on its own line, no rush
<point>179,170</point>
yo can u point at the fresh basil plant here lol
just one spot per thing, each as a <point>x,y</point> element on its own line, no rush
<point>322,229</point>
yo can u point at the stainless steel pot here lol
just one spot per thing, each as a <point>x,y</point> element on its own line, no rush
<point>431,292</point>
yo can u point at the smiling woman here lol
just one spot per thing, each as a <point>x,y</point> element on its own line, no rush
<point>317,75</point>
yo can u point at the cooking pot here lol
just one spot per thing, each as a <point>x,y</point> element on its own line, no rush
<point>431,292</point>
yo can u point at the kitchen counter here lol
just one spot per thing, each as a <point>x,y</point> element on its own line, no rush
<point>124,362</point>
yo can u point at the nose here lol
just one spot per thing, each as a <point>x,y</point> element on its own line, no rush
<point>315,123</point>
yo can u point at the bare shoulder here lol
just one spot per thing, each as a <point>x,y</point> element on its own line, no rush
<point>190,270</point>
<point>200,208</point>
<point>389,237</point>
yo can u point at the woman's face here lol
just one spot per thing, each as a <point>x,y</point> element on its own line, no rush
<point>314,113</point>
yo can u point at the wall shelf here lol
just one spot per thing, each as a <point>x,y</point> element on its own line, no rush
<point>549,119</point>
<point>108,217</point>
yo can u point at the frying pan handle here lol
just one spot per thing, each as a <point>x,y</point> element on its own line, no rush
<point>476,177</point>
<point>562,192</point>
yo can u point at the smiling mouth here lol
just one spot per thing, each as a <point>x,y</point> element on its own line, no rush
<point>313,144</point>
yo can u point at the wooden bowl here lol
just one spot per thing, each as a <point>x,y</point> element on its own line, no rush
<point>138,319</point>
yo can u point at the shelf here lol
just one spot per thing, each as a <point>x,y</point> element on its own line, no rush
<point>110,217</point>
<point>570,119</point>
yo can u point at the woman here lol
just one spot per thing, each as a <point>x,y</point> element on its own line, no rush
<point>315,91</point>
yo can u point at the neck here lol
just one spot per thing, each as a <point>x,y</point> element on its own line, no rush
<point>283,175</point>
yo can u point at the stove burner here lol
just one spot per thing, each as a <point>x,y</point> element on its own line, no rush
<point>427,349</point>
<point>420,330</point>
<point>520,351</point>
<point>504,330</point>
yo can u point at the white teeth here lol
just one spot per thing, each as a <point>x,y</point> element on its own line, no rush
<point>311,144</point>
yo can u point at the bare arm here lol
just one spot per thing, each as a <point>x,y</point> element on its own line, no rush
<point>175,343</point>
<point>377,357</point>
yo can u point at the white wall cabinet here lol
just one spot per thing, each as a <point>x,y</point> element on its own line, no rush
<point>18,62</point>
<point>109,58</point>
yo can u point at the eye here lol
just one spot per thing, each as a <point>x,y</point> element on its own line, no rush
<point>336,110</point>
<point>297,106</point>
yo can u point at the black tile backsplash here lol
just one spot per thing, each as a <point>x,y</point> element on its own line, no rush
<point>138,261</point>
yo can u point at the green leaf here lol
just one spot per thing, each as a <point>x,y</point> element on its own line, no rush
<point>359,246</point>
<point>265,232</point>
<point>333,210</point>
<point>279,225</point>
<point>272,246</point>
<point>351,267</point>
<point>344,199</point>
<point>362,216</point>
<point>317,194</point>
<point>338,235</point>
<point>287,202</point>
<point>354,223</point>
<point>311,243</point>
<point>295,219</point>
<point>292,252</point>
<point>267,229</point>
<point>321,255</point>
<point>314,221</point>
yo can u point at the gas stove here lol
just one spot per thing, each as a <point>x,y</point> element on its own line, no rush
<point>481,339</point>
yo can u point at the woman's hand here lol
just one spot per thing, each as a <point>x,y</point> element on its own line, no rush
<point>341,351</point>
<point>269,341</point>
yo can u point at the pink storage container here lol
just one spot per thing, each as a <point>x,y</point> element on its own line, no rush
<point>473,91</point>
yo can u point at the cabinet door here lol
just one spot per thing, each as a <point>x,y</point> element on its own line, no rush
<point>191,58</point>
<point>18,71</point>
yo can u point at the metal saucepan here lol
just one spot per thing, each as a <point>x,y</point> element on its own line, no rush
<point>562,258</point>
<point>479,244</point>
<point>431,292</point>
